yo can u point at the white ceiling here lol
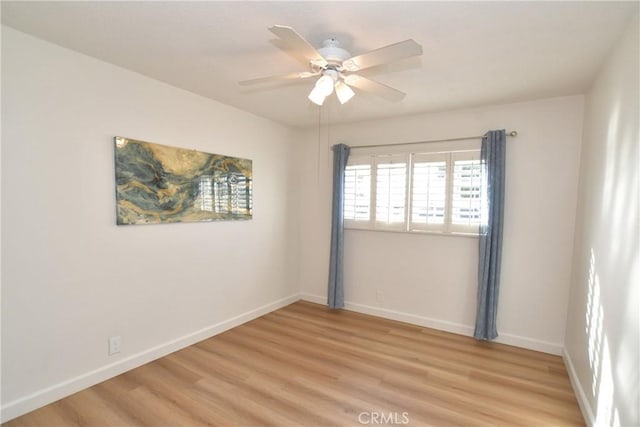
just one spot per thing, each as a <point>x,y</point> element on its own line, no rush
<point>475,53</point>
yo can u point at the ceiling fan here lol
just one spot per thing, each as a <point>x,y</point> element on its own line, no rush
<point>336,67</point>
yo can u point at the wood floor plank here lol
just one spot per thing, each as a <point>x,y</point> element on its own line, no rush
<point>307,365</point>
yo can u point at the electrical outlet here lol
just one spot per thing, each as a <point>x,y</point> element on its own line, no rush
<point>379,296</point>
<point>115,345</point>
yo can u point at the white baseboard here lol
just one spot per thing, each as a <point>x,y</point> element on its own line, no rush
<point>73,385</point>
<point>585,406</point>
<point>530,343</point>
<point>442,325</point>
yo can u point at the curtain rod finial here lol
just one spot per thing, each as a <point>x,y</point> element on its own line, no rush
<point>512,133</point>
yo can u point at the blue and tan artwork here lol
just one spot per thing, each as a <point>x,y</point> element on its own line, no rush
<point>157,183</point>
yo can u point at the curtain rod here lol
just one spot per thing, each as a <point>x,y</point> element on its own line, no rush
<point>512,133</point>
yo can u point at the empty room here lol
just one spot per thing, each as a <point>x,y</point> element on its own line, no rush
<point>254,213</point>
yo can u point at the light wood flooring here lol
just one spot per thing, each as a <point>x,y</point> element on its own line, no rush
<point>304,365</point>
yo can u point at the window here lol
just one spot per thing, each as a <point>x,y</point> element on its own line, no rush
<point>465,194</point>
<point>390,192</point>
<point>357,193</point>
<point>428,192</point>
<point>432,192</point>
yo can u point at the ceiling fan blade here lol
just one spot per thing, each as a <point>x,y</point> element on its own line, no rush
<point>374,87</point>
<point>296,41</point>
<point>269,79</point>
<point>383,55</point>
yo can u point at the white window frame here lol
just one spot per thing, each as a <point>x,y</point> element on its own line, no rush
<point>462,155</point>
<point>363,224</point>
<point>428,157</point>
<point>409,158</point>
<point>386,159</point>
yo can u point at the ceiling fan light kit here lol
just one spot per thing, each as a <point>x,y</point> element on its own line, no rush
<point>324,86</point>
<point>344,92</point>
<point>322,89</point>
<point>336,66</point>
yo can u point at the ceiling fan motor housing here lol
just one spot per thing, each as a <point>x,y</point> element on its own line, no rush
<point>332,52</point>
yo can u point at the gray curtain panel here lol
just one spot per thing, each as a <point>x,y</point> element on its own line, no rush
<point>336,289</point>
<point>492,160</point>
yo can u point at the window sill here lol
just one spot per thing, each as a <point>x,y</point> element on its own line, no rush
<point>415,232</point>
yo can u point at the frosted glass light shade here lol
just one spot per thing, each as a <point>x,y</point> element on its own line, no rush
<point>322,89</point>
<point>344,92</point>
<point>325,84</point>
<point>317,96</point>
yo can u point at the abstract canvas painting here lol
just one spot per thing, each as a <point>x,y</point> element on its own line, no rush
<point>157,183</point>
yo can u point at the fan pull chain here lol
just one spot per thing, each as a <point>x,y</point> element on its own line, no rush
<point>319,145</point>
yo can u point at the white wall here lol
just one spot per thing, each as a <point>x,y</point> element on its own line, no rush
<point>71,278</point>
<point>603,325</point>
<point>431,279</point>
